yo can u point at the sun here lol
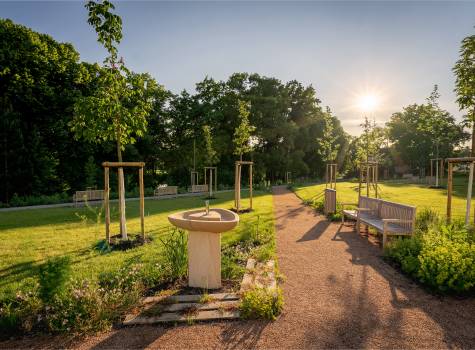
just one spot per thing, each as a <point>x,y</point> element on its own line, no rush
<point>368,102</point>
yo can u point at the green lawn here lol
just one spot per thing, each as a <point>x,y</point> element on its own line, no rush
<point>29,237</point>
<point>418,195</point>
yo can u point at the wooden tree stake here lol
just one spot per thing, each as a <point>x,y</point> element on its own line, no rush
<point>142,204</point>
<point>449,192</point>
<point>123,225</point>
<point>106,204</point>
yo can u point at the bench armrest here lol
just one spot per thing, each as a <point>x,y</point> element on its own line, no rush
<point>364,209</point>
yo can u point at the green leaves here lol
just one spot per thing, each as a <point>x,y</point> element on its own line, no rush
<point>327,143</point>
<point>107,25</point>
<point>118,109</point>
<point>464,71</point>
<point>242,133</point>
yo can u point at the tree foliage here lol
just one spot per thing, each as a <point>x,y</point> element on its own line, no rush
<point>242,134</point>
<point>118,109</point>
<point>211,156</point>
<point>57,112</point>
<point>327,143</point>
<point>421,132</point>
<point>464,71</point>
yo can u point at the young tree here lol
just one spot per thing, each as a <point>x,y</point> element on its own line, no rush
<point>119,108</point>
<point>211,156</point>
<point>327,147</point>
<point>370,142</point>
<point>243,132</point>
<point>465,83</point>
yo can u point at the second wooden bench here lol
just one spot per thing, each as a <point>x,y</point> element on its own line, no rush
<point>387,218</point>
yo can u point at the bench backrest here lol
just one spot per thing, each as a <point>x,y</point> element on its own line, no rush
<point>370,203</point>
<point>88,195</point>
<point>164,190</point>
<point>390,210</point>
<point>199,188</point>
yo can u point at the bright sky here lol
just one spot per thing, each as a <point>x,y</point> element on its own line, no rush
<point>375,55</point>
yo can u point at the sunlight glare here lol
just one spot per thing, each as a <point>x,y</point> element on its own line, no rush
<point>368,102</point>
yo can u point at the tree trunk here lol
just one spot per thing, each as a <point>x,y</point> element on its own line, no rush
<point>123,226</point>
<point>473,137</point>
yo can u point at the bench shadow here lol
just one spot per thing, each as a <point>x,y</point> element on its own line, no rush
<point>451,314</point>
<point>243,334</point>
<point>315,232</point>
<point>234,335</point>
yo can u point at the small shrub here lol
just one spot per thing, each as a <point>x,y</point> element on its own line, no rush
<point>175,253</point>
<point>20,314</point>
<point>405,253</point>
<point>233,260</point>
<point>87,307</point>
<point>53,276</point>
<point>426,219</point>
<point>262,303</point>
<point>319,205</point>
<point>443,258</point>
<point>447,260</point>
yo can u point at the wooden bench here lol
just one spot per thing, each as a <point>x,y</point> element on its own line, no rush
<point>199,188</point>
<point>162,191</point>
<point>87,196</point>
<point>388,218</point>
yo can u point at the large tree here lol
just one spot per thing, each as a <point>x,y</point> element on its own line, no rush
<point>117,111</point>
<point>423,131</point>
<point>40,80</point>
<point>465,83</point>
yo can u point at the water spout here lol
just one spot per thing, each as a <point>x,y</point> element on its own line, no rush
<point>207,207</point>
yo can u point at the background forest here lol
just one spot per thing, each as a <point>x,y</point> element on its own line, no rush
<point>42,80</point>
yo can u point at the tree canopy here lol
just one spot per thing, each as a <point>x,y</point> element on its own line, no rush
<point>60,118</point>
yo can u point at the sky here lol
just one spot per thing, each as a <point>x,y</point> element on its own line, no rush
<point>391,53</point>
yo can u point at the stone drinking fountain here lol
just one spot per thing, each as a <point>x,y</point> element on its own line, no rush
<point>204,242</point>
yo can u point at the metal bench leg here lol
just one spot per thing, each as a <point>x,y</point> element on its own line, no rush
<point>358,226</point>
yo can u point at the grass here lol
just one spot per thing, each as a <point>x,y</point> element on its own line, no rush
<point>418,195</point>
<point>29,237</point>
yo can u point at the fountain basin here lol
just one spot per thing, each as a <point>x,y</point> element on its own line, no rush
<point>217,221</point>
<point>204,243</point>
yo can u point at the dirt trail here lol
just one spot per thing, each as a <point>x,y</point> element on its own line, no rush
<point>338,294</point>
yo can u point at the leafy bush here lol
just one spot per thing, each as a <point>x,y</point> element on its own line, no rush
<point>447,259</point>
<point>426,219</point>
<point>175,253</point>
<point>81,306</point>
<point>17,201</point>
<point>262,303</point>
<point>53,276</point>
<point>232,264</point>
<point>20,313</point>
<point>91,306</point>
<point>406,253</point>
<point>319,205</point>
<point>443,258</point>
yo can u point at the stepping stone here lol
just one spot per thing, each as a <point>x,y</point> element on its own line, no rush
<point>190,298</point>
<point>206,315</point>
<point>218,306</point>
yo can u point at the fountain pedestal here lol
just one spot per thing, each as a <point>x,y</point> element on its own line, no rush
<point>204,260</point>
<point>204,243</point>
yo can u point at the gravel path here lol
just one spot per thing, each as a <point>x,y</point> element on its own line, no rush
<point>338,294</point>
